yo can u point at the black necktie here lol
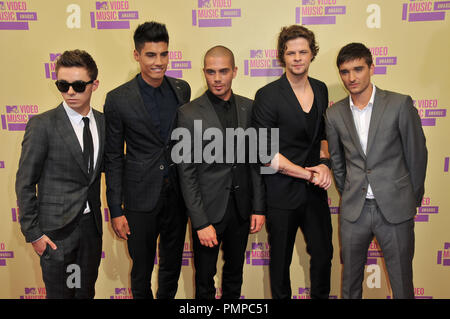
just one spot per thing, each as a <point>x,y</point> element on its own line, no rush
<point>88,146</point>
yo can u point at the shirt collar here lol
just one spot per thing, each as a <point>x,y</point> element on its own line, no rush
<point>370,104</point>
<point>145,86</point>
<point>218,101</point>
<point>76,117</point>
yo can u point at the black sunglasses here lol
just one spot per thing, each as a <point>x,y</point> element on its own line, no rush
<point>78,86</point>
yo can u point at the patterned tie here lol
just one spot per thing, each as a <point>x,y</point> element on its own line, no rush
<point>88,149</point>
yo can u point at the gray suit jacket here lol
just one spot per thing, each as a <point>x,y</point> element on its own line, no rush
<point>52,161</point>
<point>206,186</point>
<point>395,161</point>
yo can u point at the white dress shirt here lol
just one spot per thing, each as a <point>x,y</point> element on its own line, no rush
<point>78,125</point>
<point>362,124</point>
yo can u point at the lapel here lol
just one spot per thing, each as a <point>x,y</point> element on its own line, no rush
<point>65,129</point>
<point>241,111</point>
<point>101,137</point>
<point>208,113</point>
<point>347,116</point>
<point>379,105</point>
<point>320,103</point>
<point>136,104</point>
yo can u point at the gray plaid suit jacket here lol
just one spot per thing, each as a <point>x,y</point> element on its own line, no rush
<point>52,182</point>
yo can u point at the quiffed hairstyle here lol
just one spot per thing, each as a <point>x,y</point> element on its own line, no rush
<point>77,58</point>
<point>150,32</point>
<point>294,32</point>
<point>354,51</point>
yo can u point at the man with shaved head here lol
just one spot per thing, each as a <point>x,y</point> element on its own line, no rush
<point>224,197</point>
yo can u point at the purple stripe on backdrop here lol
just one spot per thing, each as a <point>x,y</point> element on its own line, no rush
<point>17,126</point>
<point>181,65</point>
<point>421,218</point>
<point>13,25</point>
<point>371,261</point>
<point>260,262</point>
<point>447,246</point>
<point>446,262</point>
<point>2,164</point>
<point>436,113</point>
<point>205,23</point>
<point>92,20</point>
<point>266,72</point>
<point>335,10</point>
<point>380,70</point>
<point>47,70</point>
<point>230,13</point>
<point>14,214</point>
<point>439,257</point>
<point>297,15</point>
<point>123,15</point>
<point>2,262</point>
<point>175,73</point>
<point>26,16</point>
<point>185,262</point>
<point>429,122</point>
<point>446,164</point>
<point>442,5</point>
<point>113,24</point>
<point>319,20</point>
<point>405,11</point>
<point>245,67</point>
<point>428,210</point>
<point>427,16</point>
<point>194,17</point>
<point>106,212</point>
<point>4,127</point>
<point>386,60</point>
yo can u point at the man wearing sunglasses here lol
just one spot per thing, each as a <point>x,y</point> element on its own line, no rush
<point>58,182</point>
<point>141,114</point>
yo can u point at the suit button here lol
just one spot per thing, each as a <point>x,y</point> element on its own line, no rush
<point>236,187</point>
<point>161,167</point>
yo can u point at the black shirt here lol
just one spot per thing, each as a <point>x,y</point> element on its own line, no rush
<point>161,102</point>
<point>225,110</point>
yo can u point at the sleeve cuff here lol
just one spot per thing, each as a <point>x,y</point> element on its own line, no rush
<point>115,211</point>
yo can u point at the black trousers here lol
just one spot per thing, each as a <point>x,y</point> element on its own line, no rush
<point>74,263</point>
<point>167,220</point>
<point>314,220</point>
<point>232,232</point>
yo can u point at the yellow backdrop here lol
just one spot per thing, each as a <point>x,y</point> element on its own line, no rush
<point>410,43</point>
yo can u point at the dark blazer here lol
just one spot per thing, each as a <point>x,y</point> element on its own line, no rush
<point>52,160</point>
<point>206,186</point>
<point>395,161</point>
<point>135,179</point>
<point>276,106</point>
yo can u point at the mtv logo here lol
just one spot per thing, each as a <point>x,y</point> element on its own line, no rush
<point>308,2</point>
<point>54,56</point>
<point>101,5</point>
<point>121,291</point>
<point>2,5</point>
<point>30,291</point>
<point>258,54</point>
<point>257,246</point>
<point>12,109</point>
<point>204,3</point>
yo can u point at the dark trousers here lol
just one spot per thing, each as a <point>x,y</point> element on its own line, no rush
<point>75,261</point>
<point>168,220</point>
<point>396,242</point>
<point>314,220</point>
<point>232,232</point>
